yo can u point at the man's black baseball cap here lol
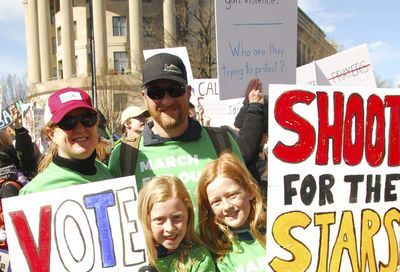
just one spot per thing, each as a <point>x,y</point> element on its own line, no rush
<point>164,66</point>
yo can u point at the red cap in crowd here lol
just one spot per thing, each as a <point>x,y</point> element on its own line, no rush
<point>65,100</point>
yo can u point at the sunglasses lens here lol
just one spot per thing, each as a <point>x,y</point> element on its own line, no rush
<point>155,92</point>
<point>176,91</point>
<point>69,122</point>
<point>89,120</point>
<point>159,92</point>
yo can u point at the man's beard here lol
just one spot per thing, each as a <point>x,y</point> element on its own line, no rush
<point>168,122</point>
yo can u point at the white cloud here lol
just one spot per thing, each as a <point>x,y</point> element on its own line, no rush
<point>310,6</point>
<point>325,20</point>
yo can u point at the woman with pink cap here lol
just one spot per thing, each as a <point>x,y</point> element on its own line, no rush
<point>71,126</point>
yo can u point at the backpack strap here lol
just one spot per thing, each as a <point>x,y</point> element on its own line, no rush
<point>220,139</point>
<point>128,154</point>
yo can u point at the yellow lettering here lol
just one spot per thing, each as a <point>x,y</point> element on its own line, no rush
<point>281,232</point>
<point>370,225</point>
<point>324,220</point>
<point>346,239</point>
<point>392,215</point>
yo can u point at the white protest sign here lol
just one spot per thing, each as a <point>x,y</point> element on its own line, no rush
<point>90,227</point>
<point>255,39</point>
<point>334,157</point>
<point>28,119</point>
<point>4,261</point>
<point>351,67</point>
<point>6,113</point>
<point>205,94</point>
<point>41,140</point>
<point>177,51</point>
<point>305,74</point>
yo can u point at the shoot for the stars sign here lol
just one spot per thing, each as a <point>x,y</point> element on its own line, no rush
<point>334,178</point>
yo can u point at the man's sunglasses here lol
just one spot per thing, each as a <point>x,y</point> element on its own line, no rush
<point>157,93</point>
<point>69,122</point>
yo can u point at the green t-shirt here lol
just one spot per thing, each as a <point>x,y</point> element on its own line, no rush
<point>54,177</point>
<point>199,260</point>
<point>246,255</point>
<point>182,159</point>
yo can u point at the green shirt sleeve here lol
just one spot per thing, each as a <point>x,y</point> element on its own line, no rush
<point>114,162</point>
<point>235,148</point>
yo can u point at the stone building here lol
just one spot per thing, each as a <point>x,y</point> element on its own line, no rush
<point>59,44</point>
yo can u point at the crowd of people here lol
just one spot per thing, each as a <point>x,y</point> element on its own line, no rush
<point>202,204</point>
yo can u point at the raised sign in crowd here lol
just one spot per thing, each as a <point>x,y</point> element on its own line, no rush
<point>267,168</point>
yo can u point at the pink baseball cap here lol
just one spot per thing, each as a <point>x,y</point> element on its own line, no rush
<point>65,100</point>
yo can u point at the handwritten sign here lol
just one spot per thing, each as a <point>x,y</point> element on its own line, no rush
<point>351,67</point>
<point>4,261</point>
<point>205,94</point>
<point>334,185</point>
<point>6,114</point>
<point>28,119</point>
<point>91,227</point>
<point>255,39</point>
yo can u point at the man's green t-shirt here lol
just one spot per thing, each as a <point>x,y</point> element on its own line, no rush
<point>183,159</point>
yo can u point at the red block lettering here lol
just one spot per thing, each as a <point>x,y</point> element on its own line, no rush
<point>326,131</point>
<point>288,119</point>
<point>375,152</point>
<point>353,152</point>
<point>394,140</point>
<point>38,258</point>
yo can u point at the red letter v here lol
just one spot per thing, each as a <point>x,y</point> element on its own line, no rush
<point>38,258</point>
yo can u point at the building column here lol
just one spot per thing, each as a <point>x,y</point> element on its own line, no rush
<point>169,23</point>
<point>67,39</point>
<point>136,36</point>
<point>100,36</point>
<point>32,40</point>
<point>44,39</point>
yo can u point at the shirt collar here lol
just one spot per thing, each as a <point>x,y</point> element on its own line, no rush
<point>193,132</point>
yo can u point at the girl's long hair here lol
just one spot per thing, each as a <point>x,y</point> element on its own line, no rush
<point>161,189</point>
<point>217,236</point>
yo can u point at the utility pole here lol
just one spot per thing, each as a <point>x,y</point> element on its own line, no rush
<point>93,54</point>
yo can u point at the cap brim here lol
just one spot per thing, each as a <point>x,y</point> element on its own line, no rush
<point>168,77</point>
<point>58,116</point>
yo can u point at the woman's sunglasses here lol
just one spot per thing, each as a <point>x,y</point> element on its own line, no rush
<point>157,93</point>
<point>69,122</point>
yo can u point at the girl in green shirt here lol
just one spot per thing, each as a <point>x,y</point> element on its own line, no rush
<point>166,213</point>
<point>232,215</point>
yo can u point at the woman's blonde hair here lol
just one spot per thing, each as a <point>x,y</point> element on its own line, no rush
<point>51,152</point>
<point>161,189</point>
<point>216,235</point>
<point>103,150</point>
